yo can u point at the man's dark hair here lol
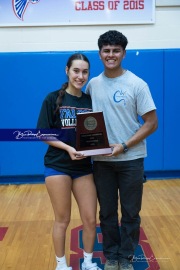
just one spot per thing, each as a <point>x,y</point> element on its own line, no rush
<point>112,37</point>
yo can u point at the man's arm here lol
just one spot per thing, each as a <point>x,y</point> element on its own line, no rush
<point>149,126</point>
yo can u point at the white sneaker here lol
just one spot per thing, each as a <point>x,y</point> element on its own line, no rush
<point>90,266</point>
<point>125,265</point>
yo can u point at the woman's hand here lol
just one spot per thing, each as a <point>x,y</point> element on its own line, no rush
<point>75,155</point>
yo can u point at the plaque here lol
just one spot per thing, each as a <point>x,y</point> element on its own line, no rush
<point>91,134</point>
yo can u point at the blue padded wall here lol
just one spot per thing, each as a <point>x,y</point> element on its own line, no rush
<point>26,78</point>
<point>148,64</point>
<point>171,110</point>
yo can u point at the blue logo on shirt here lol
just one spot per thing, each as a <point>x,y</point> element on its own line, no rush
<point>68,116</point>
<point>119,96</point>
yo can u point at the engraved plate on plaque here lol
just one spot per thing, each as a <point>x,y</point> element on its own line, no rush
<point>91,134</point>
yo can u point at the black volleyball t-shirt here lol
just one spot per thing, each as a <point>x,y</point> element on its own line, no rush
<point>56,158</point>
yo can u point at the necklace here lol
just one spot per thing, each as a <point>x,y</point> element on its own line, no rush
<point>79,94</point>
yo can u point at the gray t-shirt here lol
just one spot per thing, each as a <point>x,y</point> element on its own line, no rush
<point>122,100</point>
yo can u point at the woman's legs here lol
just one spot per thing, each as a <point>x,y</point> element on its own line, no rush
<point>85,194</point>
<point>59,189</point>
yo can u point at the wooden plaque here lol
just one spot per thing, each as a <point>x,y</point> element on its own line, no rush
<point>91,135</point>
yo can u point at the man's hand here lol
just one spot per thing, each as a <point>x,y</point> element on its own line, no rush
<point>116,150</point>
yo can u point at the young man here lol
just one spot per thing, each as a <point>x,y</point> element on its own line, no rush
<point>122,96</point>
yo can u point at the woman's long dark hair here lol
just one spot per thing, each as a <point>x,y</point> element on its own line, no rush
<point>59,100</point>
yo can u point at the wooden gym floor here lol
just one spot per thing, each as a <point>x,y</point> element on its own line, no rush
<point>26,211</point>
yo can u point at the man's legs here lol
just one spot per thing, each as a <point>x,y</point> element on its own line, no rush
<point>131,187</point>
<point>127,177</point>
<point>106,181</point>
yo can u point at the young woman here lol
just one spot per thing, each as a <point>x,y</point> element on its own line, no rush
<point>66,169</point>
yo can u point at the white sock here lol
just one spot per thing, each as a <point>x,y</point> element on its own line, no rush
<point>61,261</point>
<point>87,257</point>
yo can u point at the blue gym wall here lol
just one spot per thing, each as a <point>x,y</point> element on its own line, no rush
<point>26,78</point>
